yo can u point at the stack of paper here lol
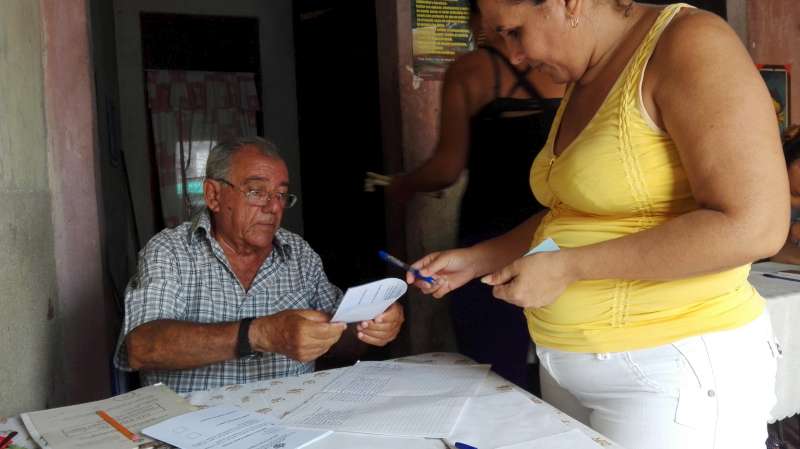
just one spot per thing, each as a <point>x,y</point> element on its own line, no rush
<point>390,398</point>
<point>80,427</point>
<point>232,428</point>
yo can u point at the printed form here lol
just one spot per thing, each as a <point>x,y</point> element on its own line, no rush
<point>365,302</point>
<point>391,398</point>
<point>232,428</point>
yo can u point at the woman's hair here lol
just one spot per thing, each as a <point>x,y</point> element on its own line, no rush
<point>791,144</point>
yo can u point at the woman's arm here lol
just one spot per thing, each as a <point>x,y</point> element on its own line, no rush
<point>705,91</point>
<point>449,157</point>
<point>713,103</point>
<point>454,268</point>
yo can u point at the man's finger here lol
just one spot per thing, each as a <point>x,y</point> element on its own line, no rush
<point>369,339</point>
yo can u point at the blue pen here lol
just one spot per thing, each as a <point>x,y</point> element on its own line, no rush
<point>400,264</point>
<point>464,446</point>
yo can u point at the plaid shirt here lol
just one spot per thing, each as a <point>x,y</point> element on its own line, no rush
<point>183,275</point>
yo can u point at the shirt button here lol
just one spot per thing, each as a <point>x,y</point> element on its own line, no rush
<point>711,393</point>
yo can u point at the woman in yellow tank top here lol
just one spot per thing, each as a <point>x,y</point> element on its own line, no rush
<point>664,180</point>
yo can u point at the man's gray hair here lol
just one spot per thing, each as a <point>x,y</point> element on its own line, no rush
<point>218,164</point>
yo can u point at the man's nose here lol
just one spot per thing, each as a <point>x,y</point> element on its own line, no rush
<point>273,203</point>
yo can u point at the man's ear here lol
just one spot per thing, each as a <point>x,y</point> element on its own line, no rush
<point>211,193</point>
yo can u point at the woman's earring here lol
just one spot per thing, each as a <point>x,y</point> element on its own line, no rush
<point>574,21</point>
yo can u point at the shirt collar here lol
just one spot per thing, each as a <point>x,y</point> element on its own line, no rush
<point>201,226</point>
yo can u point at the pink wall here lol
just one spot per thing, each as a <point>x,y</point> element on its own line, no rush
<point>69,104</point>
<point>774,38</point>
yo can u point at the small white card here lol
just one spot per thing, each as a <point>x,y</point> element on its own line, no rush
<point>547,246</point>
<point>365,302</point>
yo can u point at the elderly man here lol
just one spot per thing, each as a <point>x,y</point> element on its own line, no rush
<point>231,297</point>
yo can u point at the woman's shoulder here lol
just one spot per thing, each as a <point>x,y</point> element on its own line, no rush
<point>472,73</point>
<point>695,30</point>
<point>469,66</point>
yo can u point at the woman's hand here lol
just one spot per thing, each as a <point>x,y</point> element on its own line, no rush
<point>533,281</point>
<point>450,270</point>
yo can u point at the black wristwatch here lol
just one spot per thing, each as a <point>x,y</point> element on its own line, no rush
<point>243,348</point>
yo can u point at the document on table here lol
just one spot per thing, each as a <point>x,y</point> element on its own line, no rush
<point>232,428</point>
<point>504,418</point>
<point>390,398</point>
<point>574,439</point>
<point>79,426</point>
<point>367,301</point>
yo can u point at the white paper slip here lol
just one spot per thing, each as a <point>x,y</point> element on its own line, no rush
<point>232,428</point>
<point>547,246</point>
<point>365,302</point>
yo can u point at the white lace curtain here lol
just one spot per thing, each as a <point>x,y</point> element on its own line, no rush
<point>190,112</point>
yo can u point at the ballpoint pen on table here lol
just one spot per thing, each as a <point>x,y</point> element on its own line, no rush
<point>400,264</point>
<point>778,276</point>
<point>460,445</point>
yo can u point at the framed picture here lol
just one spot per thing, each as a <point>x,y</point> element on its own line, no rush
<point>777,78</point>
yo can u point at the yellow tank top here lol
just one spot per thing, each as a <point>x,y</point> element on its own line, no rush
<point>622,175</point>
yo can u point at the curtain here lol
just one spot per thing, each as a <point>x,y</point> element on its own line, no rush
<point>190,111</point>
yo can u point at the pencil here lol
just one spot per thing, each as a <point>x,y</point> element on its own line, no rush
<point>115,424</point>
<point>6,441</point>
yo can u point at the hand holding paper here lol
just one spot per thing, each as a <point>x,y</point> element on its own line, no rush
<point>533,281</point>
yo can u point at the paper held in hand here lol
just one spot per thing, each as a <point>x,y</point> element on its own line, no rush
<point>365,302</point>
<point>547,246</point>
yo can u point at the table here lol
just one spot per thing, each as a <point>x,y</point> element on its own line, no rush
<point>279,396</point>
<point>783,303</point>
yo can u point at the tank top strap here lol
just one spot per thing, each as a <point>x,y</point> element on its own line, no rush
<point>493,54</point>
<point>628,105</point>
<point>520,75</point>
<point>648,45</point>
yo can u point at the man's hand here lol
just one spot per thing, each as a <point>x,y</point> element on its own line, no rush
<point>302,335</point>
<point>384,328</point>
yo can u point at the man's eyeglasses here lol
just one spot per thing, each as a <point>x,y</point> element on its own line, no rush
<point>258,196</point>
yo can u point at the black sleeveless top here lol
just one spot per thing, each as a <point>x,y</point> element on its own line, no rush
<point>498,195</point>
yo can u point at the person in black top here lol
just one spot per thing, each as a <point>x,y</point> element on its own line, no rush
<point>495,118</point>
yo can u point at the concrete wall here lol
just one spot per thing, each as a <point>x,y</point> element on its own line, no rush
<point>54,339</point>
<point>773,37</point>
<point>28,301</point>
<point>279,102</point>
<point>86,339</point>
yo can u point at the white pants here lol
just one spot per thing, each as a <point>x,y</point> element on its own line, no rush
<point>713,391</point>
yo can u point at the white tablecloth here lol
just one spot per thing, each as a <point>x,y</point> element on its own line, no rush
<point>783,303</point>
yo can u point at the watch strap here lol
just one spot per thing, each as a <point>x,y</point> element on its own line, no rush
<point>243,348</point>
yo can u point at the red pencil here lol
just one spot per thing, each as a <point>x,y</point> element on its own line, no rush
<point>6,441</point>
